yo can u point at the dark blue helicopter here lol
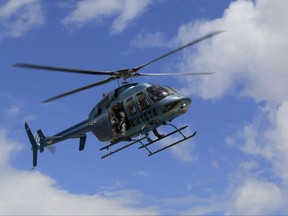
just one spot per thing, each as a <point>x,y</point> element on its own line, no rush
<point>126,114</point>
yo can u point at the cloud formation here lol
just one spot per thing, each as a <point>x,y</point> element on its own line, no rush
<point>249,61</point>
<point>91,11</point>
<point>263,197</point>
<point>18,17</point>
<point>250,56</point>
<point>33,193</point>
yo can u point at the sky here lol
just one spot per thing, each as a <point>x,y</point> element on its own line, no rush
<point>237,162</point>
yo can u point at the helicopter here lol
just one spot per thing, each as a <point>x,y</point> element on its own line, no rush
<point>126,114</point>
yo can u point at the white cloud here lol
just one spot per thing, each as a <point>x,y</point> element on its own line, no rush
<point>249,58</point>
<point>7,148</point>
<point>255,197</point>
<point>250,61</point>
<point>33,193</point>
<point>18,17</point>
<point>141,174</point>
<point>183,151</point>
<point>249,165</point>
<point>90,11</point>
<point>14,110</point>
<point>278,139</point>
<point>267,136</point>
<point>196,205</point>
<point>251,55</point>
<point>158,39</point>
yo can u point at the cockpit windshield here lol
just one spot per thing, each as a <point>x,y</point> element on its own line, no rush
<point>157,93</point>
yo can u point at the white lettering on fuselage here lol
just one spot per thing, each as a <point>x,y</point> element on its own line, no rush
<point>144,117</point>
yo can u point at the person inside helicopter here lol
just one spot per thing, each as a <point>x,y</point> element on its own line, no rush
<point>118,121</point>
<point>121,123</point>
<point>114,122</point>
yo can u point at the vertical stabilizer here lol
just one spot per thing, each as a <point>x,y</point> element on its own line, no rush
<point>33,142</point>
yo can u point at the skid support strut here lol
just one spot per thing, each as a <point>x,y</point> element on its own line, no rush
<point>175,143</point>
<point>177,130</point>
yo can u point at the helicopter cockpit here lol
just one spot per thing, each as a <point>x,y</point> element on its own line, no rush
<point>157,93</point>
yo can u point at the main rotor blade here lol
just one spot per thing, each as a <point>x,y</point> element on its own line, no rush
<point>173,74</point>
<point>180,48</point>
<point>61,69</point>
<point>79,89</point>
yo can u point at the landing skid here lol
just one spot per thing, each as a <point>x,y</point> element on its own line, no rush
<point>175,143</point>
<point>119,149</point>
<point>146,137</point>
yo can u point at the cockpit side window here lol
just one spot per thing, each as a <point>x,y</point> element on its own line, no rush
<point>157,93</point>
<point>131,107</point>
<point>142,101</point>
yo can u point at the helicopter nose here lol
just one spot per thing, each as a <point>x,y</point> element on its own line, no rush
<point>186,102</point>
<point>180,105</point>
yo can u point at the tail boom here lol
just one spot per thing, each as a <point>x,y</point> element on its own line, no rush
<point>44,141</point>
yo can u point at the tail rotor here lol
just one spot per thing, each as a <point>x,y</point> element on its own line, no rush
<point>34,144</point>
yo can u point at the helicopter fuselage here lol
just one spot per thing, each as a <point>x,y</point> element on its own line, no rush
<point>144,107</point>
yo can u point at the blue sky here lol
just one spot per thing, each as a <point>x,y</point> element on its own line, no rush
<point>236,164</point>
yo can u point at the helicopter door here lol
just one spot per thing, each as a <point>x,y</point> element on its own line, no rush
<point>118,119</point>
<point>142,101</point>
<point>130,106</point>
